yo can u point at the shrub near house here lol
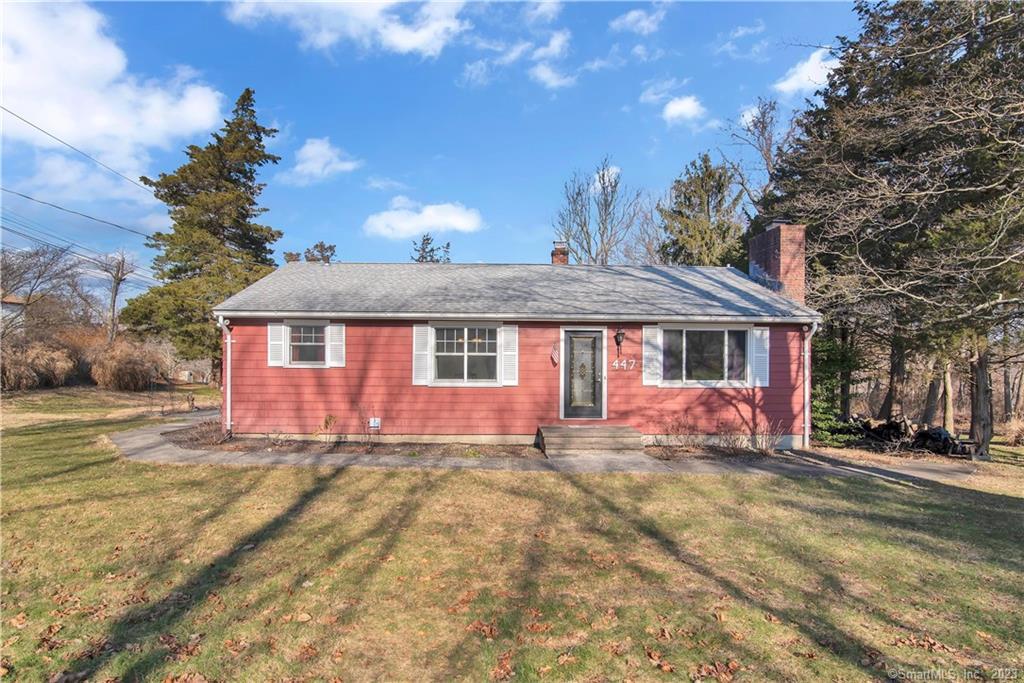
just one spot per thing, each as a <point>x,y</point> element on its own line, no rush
<point>493,352</point>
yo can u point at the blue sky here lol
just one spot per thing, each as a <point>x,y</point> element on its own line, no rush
<point>461,119</point>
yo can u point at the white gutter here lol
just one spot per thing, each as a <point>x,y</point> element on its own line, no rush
<point>223,323</point>
<point>807,383</point>
<point>564,317</point>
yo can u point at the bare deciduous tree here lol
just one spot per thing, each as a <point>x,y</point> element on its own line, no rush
<point>598,216</point>
<point>48,281</point>
<point>118,266</point>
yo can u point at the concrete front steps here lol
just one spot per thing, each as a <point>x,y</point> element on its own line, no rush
<point>564,440</point>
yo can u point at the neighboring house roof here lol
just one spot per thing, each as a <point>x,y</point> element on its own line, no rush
<point>511,292</point>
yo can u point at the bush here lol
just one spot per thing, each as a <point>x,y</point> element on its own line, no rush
<point>36,365</point>
<point>1015,432</point>
<point>125,366</point>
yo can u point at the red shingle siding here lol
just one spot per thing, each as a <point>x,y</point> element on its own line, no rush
<point>377,382</point>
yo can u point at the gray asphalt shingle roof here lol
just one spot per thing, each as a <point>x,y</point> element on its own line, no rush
<point>512,291</point>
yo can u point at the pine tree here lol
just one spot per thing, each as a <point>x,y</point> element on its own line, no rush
<point>702,221</point>
<point>215,246</point>
<point>425,251</point>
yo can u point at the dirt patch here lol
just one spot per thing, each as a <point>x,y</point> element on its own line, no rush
<point>207,436</point>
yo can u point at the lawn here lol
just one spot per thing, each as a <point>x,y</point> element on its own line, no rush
<point>131,571</point>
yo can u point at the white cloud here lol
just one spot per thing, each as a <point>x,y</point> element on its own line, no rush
<point>658,90</point>
<point>752,30</point>
<point>686,109</point>
<point>613,61</point>
<point>638,21</point>
<point>482,71</point>
<point>381,183</point>
<point>405,218</point>
<point>606,175</point>
<point>543,12</point>
<point>643,54</point>
<point>551,78</point>
<point>557,46</point>
<point>475,74</point>
<point>756,52</point>
<point>513,53</point>
<point>386,25</point>
<point>747,115</point>
<point>64,72</point>
<point>808,75</point>
<point>316,161</point>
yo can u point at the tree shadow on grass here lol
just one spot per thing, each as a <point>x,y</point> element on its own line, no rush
<point>143,623</point>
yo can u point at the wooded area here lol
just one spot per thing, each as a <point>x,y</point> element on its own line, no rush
<point>908,169</point>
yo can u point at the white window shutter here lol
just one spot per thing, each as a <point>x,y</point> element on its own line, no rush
<point>759,356</point>
<point>510,355</point>
<point>275,344</point>
<point>652,354</point>
<point>421,356</point>
<point>336,345</point>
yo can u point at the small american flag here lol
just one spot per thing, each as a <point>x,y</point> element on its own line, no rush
<point>554,354</point>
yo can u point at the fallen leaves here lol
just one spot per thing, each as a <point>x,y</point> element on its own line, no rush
<point>487,629</point>
<point>924,642</point>
<point>566,658</point>
<point>723,673</point>
<point>307,652</point>
<point>771,618</point>
<point>236,647</point>
<point>178,650</point>
<point>462,604</point>
<point>20,620</point>
<point>618,648</point>
<point>47,642</point>
<point>186,678</point>
<point>538,627</point>
<point>502,671</point>
<point>658,661</point>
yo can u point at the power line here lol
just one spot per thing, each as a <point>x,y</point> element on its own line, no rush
<point>238,258</point>
<point>76,254</point>
<point>36,227</point>
<point>70,146</point>
<point>77,213</point>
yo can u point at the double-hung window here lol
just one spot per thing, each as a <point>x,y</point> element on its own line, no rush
<point>466,354</point>
<point>704,356</point>
<point>307,345</point>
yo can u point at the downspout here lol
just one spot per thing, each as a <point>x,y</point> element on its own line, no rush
<point>807,383</point>
<point>224,325</point>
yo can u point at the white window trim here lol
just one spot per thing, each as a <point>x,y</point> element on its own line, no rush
<point>462,383</point>
<point>604,370</point>
<point>713,383</point>
<point>288,324</point>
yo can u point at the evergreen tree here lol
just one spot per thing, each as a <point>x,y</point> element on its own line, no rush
<point>910,175</point>
<point>702,221</point>
<point>321,251</point>
<point>425,251</point>
<point>215,246</point>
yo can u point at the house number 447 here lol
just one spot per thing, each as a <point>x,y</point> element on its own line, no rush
<point>624,364</point>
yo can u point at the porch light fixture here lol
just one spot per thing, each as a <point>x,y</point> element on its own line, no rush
<point>620,336</point>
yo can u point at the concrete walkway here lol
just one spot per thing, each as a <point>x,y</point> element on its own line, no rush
<point>148,444</point>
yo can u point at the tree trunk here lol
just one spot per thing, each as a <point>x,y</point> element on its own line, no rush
<point>892,404</point>
<point>981,401</point>
<point>115,285</point>
<point>931,401</point>
<point>1019,401</point>
<point>215,371</point>
<point>948,409</point>
<point>1007,383</point>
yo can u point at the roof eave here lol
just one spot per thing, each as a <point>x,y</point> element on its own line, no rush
<point>808,317</point>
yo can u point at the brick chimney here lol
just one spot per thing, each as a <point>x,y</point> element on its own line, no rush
<point>560,254</point>
<point>777,258</point>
